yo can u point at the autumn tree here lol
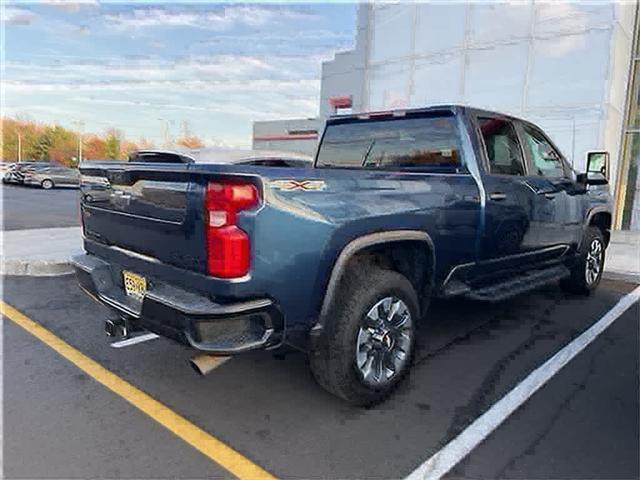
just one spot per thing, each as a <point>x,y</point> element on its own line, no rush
<point>42,146</point>
<point>144,144</point>
<point>94,148</point>
<point>190,141</point>
<point>39,141</point>
<point>112,144</point>
<point>126,147</point>
<point>64,146</point>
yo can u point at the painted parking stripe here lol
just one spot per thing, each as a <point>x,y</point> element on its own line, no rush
<point>451,454</point>
<point>225,456</point>
<point>134,340</point>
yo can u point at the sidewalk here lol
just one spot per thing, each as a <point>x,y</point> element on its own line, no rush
<point>46,251</point>
<point>39,252</point>
<point>623,256</point>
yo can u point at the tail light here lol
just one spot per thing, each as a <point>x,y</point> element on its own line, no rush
<point>228,246</point>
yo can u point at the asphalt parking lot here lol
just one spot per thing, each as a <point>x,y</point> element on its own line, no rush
<point>29,207</point>
<point>59,422</point>
<point>62,423</point>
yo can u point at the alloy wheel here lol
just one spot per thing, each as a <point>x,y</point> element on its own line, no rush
<point>593,265</point>
<point>384,342</point>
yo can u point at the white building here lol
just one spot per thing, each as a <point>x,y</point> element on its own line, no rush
<point>567,67</point>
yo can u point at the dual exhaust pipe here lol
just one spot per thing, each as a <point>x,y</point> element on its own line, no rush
<point>202,363</point>
<point>116,328</point>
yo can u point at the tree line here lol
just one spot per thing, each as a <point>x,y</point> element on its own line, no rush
<point>52,142</point>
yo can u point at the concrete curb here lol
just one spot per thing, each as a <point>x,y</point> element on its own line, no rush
<point>36,268</point>
<point>630,277</point>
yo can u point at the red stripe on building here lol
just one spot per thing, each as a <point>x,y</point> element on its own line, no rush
<point>343,101</point>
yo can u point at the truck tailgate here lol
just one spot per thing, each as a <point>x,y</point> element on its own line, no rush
<point>153,210</point>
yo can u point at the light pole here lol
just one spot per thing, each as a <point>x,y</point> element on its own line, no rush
<point>19,147</point>
<point>165,130</point>
<point>80,125</point>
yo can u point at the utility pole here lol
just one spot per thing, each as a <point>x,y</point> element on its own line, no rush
<point>186,131</point>
<point>19,147</point>
<point>165,130</point>
<point>573,141</point>
<point>80,125</point>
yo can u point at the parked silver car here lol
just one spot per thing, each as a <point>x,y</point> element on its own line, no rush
<point>54,176</point>
<point>15,172</point>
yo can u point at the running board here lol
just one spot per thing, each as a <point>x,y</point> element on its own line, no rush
<point>513,286</point>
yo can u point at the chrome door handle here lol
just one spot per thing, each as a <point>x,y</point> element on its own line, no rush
<point>497,196</point>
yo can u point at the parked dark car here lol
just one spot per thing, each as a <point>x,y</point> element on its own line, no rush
<point>341,260</point>
<point>52,176</point>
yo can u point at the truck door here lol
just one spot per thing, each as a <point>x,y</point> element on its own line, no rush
<point>518,218</point>
<point>550,175</point>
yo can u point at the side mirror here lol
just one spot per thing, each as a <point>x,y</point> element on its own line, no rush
<point>597,168</point>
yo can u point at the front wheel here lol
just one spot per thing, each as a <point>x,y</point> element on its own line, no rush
<point>587,271</point>
<point>369,336</point>
<point>46,184</point>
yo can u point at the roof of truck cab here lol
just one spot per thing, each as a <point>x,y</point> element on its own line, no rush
<point>399,112</point>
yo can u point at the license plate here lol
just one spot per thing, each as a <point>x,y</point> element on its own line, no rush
<point>134,285</point>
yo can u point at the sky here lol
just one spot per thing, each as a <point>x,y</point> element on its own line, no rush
<point>147,69</point>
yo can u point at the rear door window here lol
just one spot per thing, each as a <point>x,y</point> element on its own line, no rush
<point>407,143</point>
<point>501,146</point>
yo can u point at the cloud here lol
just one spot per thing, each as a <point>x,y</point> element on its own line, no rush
<point>218,19</point>
<point>207,68</point>
<point>71,5</point>
<point>168,87</point>
<point>285,42</point>
<point>18,16</point>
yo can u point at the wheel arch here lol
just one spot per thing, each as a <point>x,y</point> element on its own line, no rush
<point>374,243</point>
<point>602,219</point>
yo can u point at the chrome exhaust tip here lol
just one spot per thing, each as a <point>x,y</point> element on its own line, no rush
<point>205,362</point>
<point>115,329</point>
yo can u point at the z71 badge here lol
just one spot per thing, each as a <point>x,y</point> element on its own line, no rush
<point>306,185</point>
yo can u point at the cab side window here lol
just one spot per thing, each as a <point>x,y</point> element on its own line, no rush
<point>547,162</point>
<point>502,146</point>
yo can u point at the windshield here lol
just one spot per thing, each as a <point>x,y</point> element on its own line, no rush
<point>392,143</point>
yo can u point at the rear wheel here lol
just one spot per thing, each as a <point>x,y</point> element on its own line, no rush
<point>369,336</point>
<point>47,184</point>
<point>587,271</point>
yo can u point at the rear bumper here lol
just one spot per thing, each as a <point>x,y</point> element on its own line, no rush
<point>185,316</point>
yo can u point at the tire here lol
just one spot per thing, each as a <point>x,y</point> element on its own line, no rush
<point>586,273</point>
<point>348,349</point>
<point>46,184</point>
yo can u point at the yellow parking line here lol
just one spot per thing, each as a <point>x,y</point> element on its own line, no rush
<point>208,445</point>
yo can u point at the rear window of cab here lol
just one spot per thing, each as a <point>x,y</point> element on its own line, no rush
<point>418,143</point>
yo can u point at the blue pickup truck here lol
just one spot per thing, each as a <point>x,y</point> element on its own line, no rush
<point>340,259</point>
